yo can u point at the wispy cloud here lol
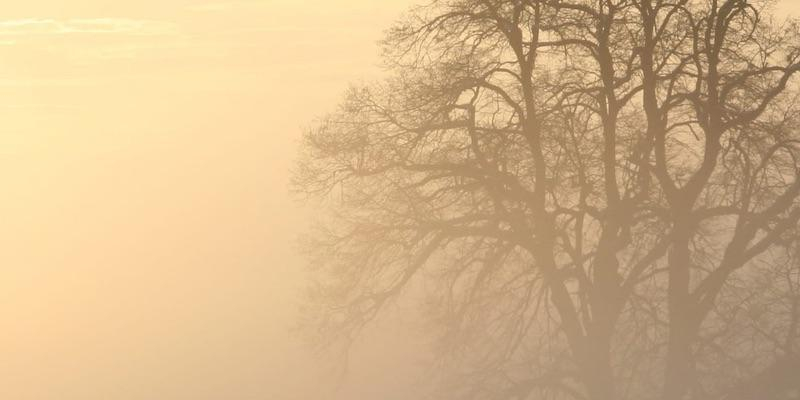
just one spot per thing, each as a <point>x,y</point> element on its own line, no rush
<point>120,26</point>
<point>225,5</point>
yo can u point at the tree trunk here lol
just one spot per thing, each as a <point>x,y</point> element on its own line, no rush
<point>679,365</point>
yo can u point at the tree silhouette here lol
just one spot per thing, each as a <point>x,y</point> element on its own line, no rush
<point>599,198</point>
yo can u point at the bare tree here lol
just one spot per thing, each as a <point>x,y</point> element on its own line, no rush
<point>600,197</point>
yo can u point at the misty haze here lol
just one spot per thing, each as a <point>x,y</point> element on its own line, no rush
<point>400,199</point>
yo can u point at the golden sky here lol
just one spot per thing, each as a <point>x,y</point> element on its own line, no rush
<point>147,236</point>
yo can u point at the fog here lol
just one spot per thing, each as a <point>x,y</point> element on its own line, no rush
<point>148,237</point>
<point>148,245</point>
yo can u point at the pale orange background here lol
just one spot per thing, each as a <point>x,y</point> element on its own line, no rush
<point>147,238</point>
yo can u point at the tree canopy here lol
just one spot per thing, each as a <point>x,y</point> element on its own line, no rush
<point>600,198</point>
